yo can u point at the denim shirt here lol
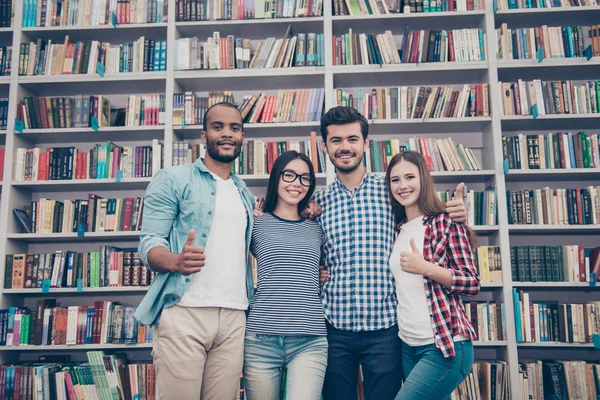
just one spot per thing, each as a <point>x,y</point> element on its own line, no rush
<point>178,199</point>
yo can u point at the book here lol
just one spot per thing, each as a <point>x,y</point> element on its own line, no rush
<point>561,150</point>
<point>457,45</point>
<point>210,10</point>
<point>553,206</point>
<point>84,111</point>
<point>552,41</point>
<point>83,57</point>
<point>537,97</point>
<point>418,103</point>
<point>487,381</point>
<point>553,321</point>
<point>300,105</point>
<point>45,13</point>
<point>23,219</point>
<point>513,5</point>
<point>440,154</point>
<point>109,267</point>
<point>364,7</point>
<point>109,161</point>
<point>481,206</point>
<point>546,263</point>
<point>232,52</point>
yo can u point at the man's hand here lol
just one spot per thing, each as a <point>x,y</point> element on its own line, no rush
<point>413,261</point>
<point>323,274</point>
<point>312,210</point>
<point>456,208</point>
<point>192,258</point>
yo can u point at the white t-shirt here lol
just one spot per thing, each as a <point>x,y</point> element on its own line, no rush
<point>414,322</point>
<point>222,281</point>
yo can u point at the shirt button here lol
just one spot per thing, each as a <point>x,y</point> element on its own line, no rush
<point>187,279</point>
<point>210,212</point>
<point>204,235</point>
<point>213,193</point>
<point>173,298</point>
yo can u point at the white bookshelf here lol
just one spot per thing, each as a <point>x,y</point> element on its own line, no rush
<point>109,291</point>
<point>557,344</point>
<point>80,347</point>
<point>490,343</point>
<point>83,184</point>
<point>486,132</point>
<point>73,237</point>
<point>525,175</point>
<point>558,285</point>
<point>554,228</point>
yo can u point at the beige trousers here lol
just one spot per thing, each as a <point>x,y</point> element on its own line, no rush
<point>198,353</point>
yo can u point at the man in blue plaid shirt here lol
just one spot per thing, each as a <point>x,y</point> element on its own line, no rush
<point>359,297</point>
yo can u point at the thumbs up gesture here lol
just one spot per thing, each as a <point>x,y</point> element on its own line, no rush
<point>413,261</point>
<point>192,258</point>
<point>456,207</point>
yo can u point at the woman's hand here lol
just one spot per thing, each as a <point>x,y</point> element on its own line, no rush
<point>258,210</point>
<point>456,207</point>
<point>413,261</point>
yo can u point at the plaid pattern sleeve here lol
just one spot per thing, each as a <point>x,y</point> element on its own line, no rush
<point>465,278</point>
<point>446,244</point>
<point>359,231</point>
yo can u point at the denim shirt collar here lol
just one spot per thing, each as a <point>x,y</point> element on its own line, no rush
<point>239,183</point>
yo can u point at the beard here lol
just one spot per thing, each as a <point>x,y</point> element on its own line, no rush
<point>212,148</point>
<point>350,167</point>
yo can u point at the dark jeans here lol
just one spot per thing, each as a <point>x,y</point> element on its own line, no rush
<point>379,353</point>
<point>428,375</point>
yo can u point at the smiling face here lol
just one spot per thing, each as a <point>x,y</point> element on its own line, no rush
<point>405,184</point>
<point>292,193</point>
<point>224,135</point>
<point>345,146</point>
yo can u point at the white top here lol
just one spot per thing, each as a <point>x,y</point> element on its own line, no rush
<point>414,323</point>
<point>222,281</point>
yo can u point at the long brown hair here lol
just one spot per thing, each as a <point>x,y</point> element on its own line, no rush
<point>428,201</point>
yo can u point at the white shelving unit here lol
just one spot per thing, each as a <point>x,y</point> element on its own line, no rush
<point>482,133</point>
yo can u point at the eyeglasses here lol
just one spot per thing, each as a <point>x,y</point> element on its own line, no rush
<point>290,176</point>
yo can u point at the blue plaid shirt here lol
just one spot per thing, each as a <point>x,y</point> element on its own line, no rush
<point>359,233</point>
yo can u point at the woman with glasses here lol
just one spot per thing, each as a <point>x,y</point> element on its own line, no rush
<point>285,329</point>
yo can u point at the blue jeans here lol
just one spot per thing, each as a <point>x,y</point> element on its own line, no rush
<point>264,357</point>
<point>378,353</point>
<point>428,375</point>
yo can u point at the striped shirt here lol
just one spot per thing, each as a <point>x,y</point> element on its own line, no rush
<point>287,300</point>
<point>359,232</point>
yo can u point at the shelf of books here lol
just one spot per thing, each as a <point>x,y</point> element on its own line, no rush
<point>502,95</point>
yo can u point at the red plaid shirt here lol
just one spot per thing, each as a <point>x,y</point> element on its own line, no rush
<point>447,245</point>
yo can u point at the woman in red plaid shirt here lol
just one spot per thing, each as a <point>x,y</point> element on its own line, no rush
<point>432,263</point>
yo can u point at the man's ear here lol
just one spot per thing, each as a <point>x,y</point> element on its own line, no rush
<point>324,146</point>
<point>366,146</point>
<point>203,137</point>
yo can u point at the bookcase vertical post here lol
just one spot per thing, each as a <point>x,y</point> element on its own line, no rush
<point>170,86</point>
<point>330,100</point>
<point>504,241</point>
<point>7,198</point>
<point>16,195</point>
